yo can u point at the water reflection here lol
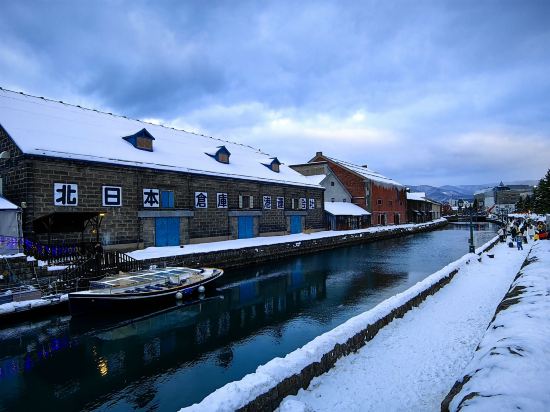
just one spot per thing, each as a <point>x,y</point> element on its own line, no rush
<point>172,358</point>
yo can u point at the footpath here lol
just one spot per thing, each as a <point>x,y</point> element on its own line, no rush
<point>411,361</point>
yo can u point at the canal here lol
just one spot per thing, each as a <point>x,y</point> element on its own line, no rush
<point>176,357</point>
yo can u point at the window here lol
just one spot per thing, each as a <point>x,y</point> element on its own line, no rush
<point>221,155</point>
<point>344,200</point>
<point>390,202</point>
<point>332,183</point>
<point>142,140</point>
<point>332,199</point>
<point>223,158</point>
<point>379,202</point>
<point>167,198</point>
<point>273,165</point>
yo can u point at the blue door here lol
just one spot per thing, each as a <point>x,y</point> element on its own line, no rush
<point>167,231</point>
<point>246,227</point>
<point>295,224</point>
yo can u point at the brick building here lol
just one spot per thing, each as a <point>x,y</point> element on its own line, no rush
<point>79,174</point>
<point>383,197</point>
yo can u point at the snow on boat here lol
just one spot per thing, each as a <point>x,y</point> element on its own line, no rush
<point>137,291</point>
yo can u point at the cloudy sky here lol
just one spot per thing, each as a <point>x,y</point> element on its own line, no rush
<point>426,92</point>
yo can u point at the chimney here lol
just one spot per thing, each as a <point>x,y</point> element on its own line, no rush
<point>365,166</point>
<point>318,154</point>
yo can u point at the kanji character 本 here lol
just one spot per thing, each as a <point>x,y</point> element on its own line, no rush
<point>222,200</point>
<point>151,198</point>
<point>65,194</point>
<point>201,200</point>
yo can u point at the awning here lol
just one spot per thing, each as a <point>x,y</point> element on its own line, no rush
<point>64,222</point>
<point>344,209</point>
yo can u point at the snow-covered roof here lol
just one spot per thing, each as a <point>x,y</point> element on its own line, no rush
<point>365,172</point>
<point>416,196</point>
<point>344,209</point>
<point>5,204</point>
<point>316,179</point>
<point>45,127</point>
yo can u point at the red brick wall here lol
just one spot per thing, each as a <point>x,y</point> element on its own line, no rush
<point>353,183</point>
<point>394,199</point>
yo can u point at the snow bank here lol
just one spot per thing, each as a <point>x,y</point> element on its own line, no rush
<point>238,394</point>
<point>31,304</point>
<point>167,251</point>
<point>511,368</point>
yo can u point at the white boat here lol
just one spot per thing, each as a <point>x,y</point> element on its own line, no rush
<point>137,291</point>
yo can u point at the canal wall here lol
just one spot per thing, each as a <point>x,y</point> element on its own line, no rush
<point>264,389</point>
<point>307,243</point>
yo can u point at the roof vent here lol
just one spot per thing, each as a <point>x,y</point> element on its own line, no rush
<point>319,154</point>
<point>221,155</point>
<point>142,140</point>
<point>365,166</point>
<point>273,165</point>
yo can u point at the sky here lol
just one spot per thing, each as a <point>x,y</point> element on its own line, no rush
<point>425,92</point>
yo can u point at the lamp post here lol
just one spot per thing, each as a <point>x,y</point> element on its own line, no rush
<point>472,247</point>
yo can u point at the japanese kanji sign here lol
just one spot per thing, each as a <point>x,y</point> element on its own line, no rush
<point>201,200</point>
<point>112,195</point>
<point>221,200</point>
<point>280,203</point>
<point>151,198</point>
<point>267,202</point>
<point>312,203</point>
<point>303,204</point>
<point>65,194</point>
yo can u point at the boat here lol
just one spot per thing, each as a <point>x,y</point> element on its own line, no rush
<point>141,290</point>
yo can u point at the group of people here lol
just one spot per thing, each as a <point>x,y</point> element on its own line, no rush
<point>520,231</point>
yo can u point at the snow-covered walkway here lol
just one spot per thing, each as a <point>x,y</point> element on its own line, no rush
<point>413,362</point>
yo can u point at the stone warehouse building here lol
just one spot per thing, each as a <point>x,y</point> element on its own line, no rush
<point>383,197</point>
<point>80,174</point>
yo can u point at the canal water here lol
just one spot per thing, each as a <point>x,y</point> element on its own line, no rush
<point>176,357</point>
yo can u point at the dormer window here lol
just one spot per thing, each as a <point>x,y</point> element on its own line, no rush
<point>274,165</point>
<point>221,155</point>
<point>142,140</point>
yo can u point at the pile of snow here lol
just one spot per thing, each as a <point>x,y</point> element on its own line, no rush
<point>511,368</point>
<point>237,394</point>
<point>167,251</point>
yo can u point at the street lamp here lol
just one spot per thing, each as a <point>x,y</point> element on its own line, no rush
<point>472,247</point>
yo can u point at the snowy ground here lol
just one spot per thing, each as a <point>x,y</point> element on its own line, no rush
<point>511,368</point>
<point>413,362</point>
<point>165,251</point>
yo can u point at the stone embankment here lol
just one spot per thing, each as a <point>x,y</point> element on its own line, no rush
<point>238,257</point>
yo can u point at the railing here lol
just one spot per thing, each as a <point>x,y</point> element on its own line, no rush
<point>56,253</point>
<point>78,276</point>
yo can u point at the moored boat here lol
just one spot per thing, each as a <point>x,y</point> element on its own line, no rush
<point>141,290</point>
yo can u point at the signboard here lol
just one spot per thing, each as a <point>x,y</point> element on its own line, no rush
<point>111,195</point>
<point>151,198</point>
<point>65,194</point>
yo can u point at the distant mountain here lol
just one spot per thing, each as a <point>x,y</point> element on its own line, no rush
<point>466,192</point>
<point>444,193</point>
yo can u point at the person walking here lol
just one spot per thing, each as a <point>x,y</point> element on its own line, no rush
<point>519,242</point>
<point>500,234</point>
<point>531,231</point>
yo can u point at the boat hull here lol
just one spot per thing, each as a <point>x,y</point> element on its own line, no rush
<point>93,303</point>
